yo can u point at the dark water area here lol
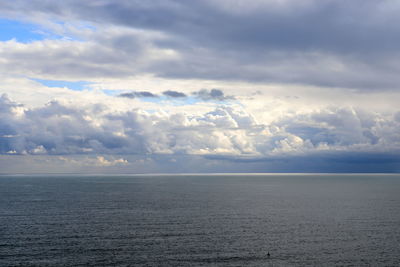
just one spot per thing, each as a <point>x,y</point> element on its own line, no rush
<point>301,220</point>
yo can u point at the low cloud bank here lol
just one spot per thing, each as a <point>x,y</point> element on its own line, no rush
<point>62,129</point>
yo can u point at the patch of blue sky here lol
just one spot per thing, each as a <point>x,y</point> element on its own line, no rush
<point>24,32</point>
<point>169,100</point>
<point>76,86</point>
<point>184,101</point>
<point>110,92</point>
<point>85,26</point>
<point>156,100</point>
<point>176,101</point>
<point>66,29</point>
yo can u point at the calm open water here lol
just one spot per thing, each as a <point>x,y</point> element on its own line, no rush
<point>302,220</point>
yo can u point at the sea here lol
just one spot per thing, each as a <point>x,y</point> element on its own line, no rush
<point>200,220</point>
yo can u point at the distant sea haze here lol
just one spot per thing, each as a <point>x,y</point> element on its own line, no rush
<point>200,220</point>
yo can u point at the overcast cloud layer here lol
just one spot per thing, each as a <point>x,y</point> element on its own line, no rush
<point>351,44</point>
<point>219,83</point>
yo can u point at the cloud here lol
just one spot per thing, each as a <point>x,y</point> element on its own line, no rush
<point>68,129</point>
<point>107,52</point>
<point>213,94</point>
<point>99,161</point>
<point>174,94</point>
<point>204,94</point>
<point>308,78</point>
<point>320,161</point>
<point>300,25</point>
<point>320,43</point>
<point>137,94</point>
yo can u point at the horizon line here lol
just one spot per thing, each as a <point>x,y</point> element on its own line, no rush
<point>201,174</point>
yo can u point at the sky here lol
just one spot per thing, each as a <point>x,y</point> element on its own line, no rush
<point>201,86</point>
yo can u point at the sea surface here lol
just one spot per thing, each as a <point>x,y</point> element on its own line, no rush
<point>200,220</point>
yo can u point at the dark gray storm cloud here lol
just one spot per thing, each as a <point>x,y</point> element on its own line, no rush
<point>322,161</point>
<point>137,94</point>
<point>352,44</point>
<point>175,94</point>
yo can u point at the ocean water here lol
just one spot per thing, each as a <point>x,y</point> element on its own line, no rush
<point>212,220</point>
